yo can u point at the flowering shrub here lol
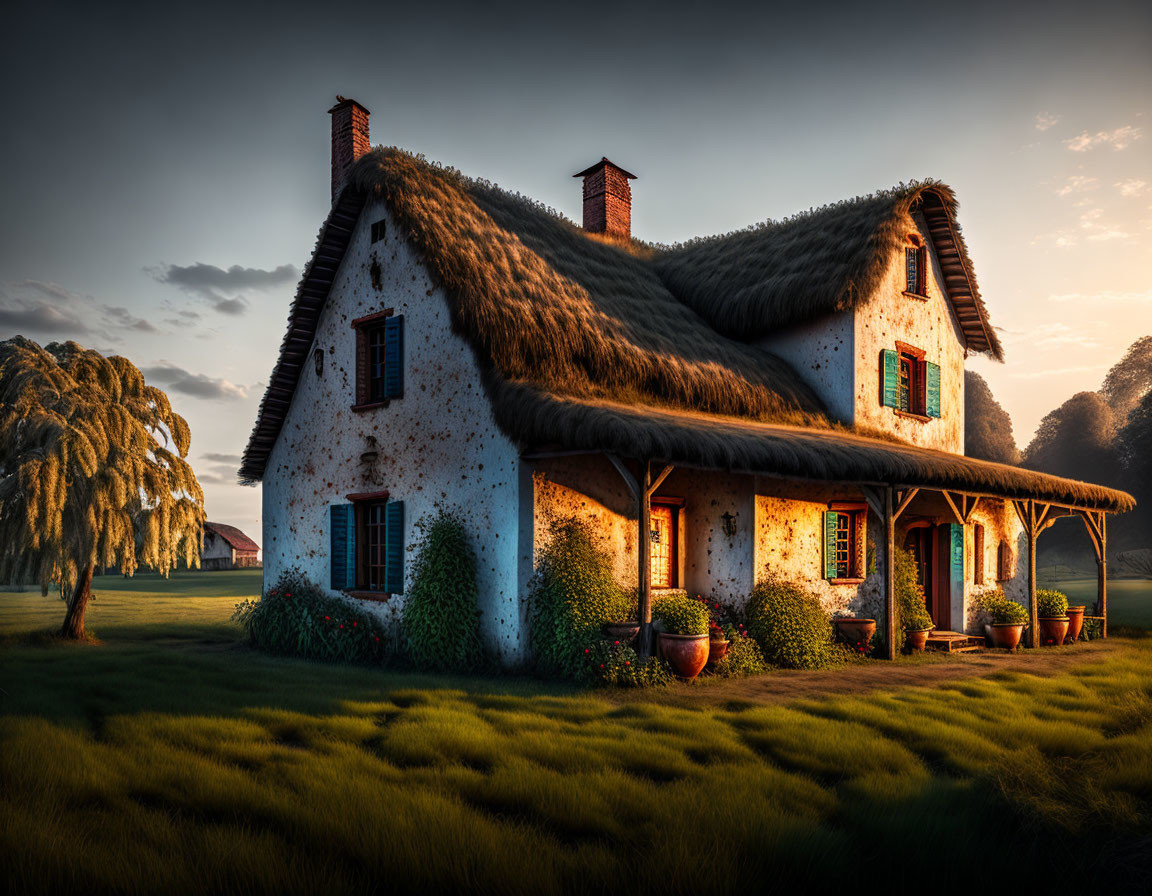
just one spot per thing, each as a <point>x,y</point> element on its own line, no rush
<point>572,594</point>
<point>618,664</point>
<point>744,656</point>
<point>911,609</point>
<point>1051,604</point>
<point>790,625</point>
<point>441,620</point>
<point>296,617</point>
<point>681,614</point>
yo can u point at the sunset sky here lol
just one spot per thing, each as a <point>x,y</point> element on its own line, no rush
<point>164,171</point>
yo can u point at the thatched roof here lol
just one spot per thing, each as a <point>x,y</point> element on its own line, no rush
<point>580,338</point>
<point>775,275</point>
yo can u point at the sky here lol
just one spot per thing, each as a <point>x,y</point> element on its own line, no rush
<point>164,168</point>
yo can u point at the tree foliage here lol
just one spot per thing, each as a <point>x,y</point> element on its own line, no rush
<point>93,471</point>
<point>987,426</point>
<point>1135,446</point>
<point>1129,380</point>
<point>1077,440</point>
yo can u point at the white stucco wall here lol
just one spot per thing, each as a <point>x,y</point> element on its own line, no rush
<point>1000,523</point>
<point>215,547</point>
<point>929,325</point>
<point>821,352</point>
<point>437,446</point>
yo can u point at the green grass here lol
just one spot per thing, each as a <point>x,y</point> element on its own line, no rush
<point>172,757</point>
<point>1129,600</point>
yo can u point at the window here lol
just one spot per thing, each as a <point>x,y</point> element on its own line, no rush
<point>379,229</point>
<point>844,539</point>
<point>1005,564</point>
<point>978,554</point>
<point>664,556</point>
<point>367,545</point>
<point>909,384</point>
<point>379,359</point>
<point>916,268</point>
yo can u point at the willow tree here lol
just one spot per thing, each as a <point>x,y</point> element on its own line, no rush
<point>93,471</point>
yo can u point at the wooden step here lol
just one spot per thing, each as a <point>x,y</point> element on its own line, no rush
<point>954,642</point>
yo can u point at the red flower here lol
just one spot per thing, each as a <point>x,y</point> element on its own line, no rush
<point>587,649</point>
<point>325,618</point>
<point>341,625</point>
<point>601,665</point>
<point>616,642</point>
<point>717,606</point>
<point>627,662</point>
<point>353,625</point>
<point>287,595</point>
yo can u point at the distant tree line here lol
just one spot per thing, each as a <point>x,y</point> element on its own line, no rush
<point>1103,437</point>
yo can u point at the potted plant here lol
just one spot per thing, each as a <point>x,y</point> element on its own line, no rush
<point>717,645</point>
<point>683,637</point>
<point>912,615</point>
<point>1075,623</point>
<point>1052,610</point>
<point>855,631</point>
<point>621,624</point>
<point>1007,619</point>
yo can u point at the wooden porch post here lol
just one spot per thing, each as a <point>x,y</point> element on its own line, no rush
<point>1102,577</point>
<point>644,552</point>
<point>889,573</point>
<point>1033,614</point>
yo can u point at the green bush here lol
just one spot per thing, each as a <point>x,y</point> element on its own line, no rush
<point>911,609</point>
<point>296,617</point>
<point>441,620</point>
<point>1051,604</point>
<point>618,664</point>
<point>744,656</point>
<point>572,594</point>
<point>1000,609</point>
<point>681,614</point>
<point>790,626</point>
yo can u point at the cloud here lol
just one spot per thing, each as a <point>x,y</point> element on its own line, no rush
<point>1077,183</point>
<point>124,318</point>
<point>222,288</point>
<point>1133,186</point>
<point>1113,296</point>
<point>1057,335</point>
<point>195,384</point>
<point>222,458</point>
<point>51,290</point>
<point>1058,371</point>
<point>1119,138</point>
<point>40,317</point>
<point>1044,122</point>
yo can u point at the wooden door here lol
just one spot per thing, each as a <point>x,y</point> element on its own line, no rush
<point>663,556</point>
<point>921,544</point>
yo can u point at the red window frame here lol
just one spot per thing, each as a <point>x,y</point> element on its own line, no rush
<point>916,268</point>
<point>912,360</point>
<point>370,358</point>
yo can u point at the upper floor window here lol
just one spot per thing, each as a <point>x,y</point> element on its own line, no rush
<point>916,267</point>
<point>379,358</point>
<point>909,383</point>
<point>379,229</point>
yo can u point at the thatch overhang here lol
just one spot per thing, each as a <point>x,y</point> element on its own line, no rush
<point>711,442</point>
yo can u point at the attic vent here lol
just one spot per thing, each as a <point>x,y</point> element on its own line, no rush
<point>607,199</point>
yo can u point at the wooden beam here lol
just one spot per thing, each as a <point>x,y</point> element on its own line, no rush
<point>626,475</point>
<point>644,550</point>
<point>905,500</point>
<point>1043,516</point>
<point>969,509</point>
<point>1033,615</point>
<point>1102,577</point>
<point>1093,531</point>
<point>955,510</point>
<point>889,518</point>
<point>874,499</point>
<point>659,479</point>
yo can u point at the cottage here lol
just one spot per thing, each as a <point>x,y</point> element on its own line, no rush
<point>226,547</point>
<point>785,400</point>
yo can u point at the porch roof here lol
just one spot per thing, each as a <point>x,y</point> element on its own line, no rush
<point>715,442</point>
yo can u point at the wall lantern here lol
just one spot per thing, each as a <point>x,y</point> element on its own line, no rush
<point>318,358</point>
<point>729,523</point>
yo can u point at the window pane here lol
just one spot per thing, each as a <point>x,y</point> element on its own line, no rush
<point>912,264</point>
<point>844,545</point>
<point>375,547</point>
<point>376,364</point>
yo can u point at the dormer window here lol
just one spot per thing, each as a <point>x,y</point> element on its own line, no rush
<point>916,268</point>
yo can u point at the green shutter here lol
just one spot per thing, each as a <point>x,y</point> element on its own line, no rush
<point>394,357</point>
<point>956,555</point>
<point>830,521</point>
<point>394,547</point>
<point>890,378</point>
<point>932,382</point>
<point>342,518</point>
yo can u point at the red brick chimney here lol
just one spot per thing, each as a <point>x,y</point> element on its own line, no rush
<point>349,138</point>
<point>607,199</point>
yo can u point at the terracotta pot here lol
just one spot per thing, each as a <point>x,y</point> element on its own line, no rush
<point>624,632</point>
<point>1005,634</point>
<point>717,650</point>
<point>853,631</point>
<point>1053,629</point>
<point>1075,623</point>
<point>687,654</point>
<point>916,639</point>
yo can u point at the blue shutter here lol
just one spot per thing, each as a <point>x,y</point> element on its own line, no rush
<point>890,379</point>
<point>394,357</point>
<point>830,521</point>
<point>394,547</point>
<point>956,555</point>
<point>342,557</point>
<point>932,388</point>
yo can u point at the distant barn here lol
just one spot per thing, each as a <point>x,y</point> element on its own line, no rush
<point>226,547</point>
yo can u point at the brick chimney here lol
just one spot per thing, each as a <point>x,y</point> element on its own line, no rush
<point>607,199</point>
<point>349,138</point>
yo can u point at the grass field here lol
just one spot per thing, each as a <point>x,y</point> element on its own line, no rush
<point>170,756</point>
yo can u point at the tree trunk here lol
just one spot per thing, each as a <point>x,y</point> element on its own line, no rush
<point>74,620</point>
